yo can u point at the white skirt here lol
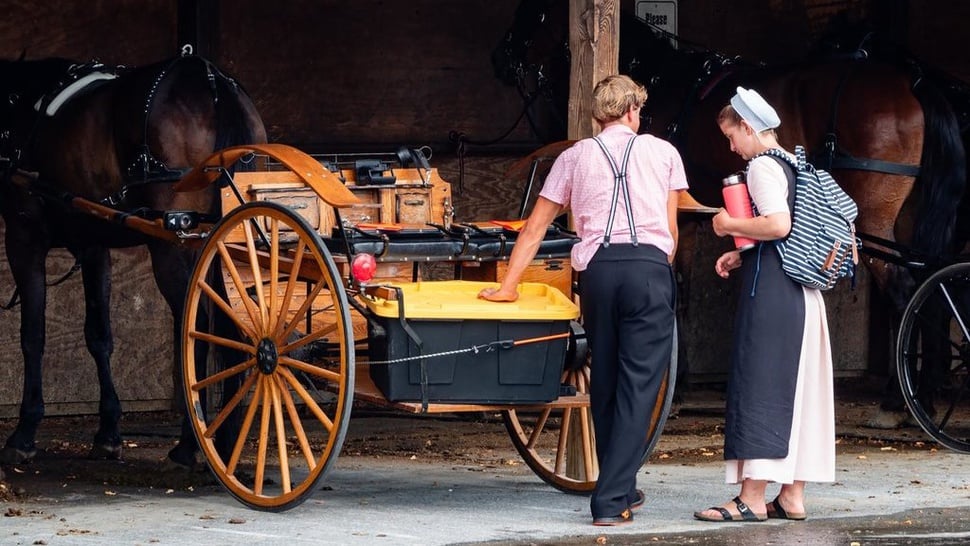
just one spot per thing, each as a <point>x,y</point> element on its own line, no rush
<point>811,447</point>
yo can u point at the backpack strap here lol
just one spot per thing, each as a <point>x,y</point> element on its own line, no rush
<point>619,182</point>
<point>790,169</point>
<point>801,164</point>
<point>800,158</point>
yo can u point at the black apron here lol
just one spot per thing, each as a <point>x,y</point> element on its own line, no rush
<point>764,360</point>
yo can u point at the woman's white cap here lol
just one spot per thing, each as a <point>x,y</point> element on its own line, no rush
<point>755,110</point>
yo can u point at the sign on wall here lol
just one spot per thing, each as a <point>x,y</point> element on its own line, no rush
<point>662,15</point>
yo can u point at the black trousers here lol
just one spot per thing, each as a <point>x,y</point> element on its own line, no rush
<point>627,297</point>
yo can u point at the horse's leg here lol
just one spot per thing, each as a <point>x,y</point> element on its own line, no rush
<point>684,262</point>
<point>96,274</point>
<point>172,268</point>
<point>27,258</point>
<point>880,213</point>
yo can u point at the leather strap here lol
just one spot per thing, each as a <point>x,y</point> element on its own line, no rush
<point>619,182</point>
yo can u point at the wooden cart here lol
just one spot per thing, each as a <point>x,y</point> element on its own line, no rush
<point>274,348</point>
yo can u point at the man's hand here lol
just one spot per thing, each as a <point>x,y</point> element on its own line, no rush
<point>497,294</point>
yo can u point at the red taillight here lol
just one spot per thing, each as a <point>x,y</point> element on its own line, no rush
<point>363,267</point>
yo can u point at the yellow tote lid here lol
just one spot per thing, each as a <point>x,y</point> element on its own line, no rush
<point>458,300</point>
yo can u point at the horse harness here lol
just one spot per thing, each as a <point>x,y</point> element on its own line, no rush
<point>718,68</point>
<point>145,164</point>
<point>144,168</point>
<point>834,157</point>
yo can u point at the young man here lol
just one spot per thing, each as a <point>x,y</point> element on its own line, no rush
<point>622,190</point>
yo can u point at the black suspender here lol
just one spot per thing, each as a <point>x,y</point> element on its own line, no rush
<point>619,182</point>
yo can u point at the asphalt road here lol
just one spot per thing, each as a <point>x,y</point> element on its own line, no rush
<point>881,497</point>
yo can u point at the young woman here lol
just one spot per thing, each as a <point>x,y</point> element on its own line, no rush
<point>780,417</point>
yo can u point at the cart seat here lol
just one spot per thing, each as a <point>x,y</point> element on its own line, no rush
<point>428,243</point>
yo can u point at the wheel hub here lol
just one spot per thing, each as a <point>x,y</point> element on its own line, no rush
<point>267,356</point>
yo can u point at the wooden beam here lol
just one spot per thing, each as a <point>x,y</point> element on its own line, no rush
<point>594,44</point>
<point>198,26</point>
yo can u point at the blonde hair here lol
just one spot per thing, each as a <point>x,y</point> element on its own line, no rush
<point>614,95</point>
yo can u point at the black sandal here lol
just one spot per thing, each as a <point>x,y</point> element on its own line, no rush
<point>743,511</point>
<point>775,511</point>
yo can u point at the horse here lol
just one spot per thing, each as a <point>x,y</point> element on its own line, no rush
<point>119,137</point>
<point>883,127</point>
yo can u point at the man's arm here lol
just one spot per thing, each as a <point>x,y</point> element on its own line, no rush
<point>524,251</point>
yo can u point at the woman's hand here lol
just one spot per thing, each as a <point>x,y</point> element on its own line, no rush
<point>498,294</point>
<point>719,223</point>
<point>728,262</point>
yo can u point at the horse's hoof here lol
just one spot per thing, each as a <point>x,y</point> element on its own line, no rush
<point>105,451</point>
<point>167,465</point>
<point>886,420</point>
<point>185,458</point>
<point>12,455</point>
<point>911,421</point>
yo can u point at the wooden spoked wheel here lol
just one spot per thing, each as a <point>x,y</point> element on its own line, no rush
<point>933,356</point>
<point>270,399</point>
<point>559,444</point>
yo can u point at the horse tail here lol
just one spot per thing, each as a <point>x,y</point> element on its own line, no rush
<point>943,174</point>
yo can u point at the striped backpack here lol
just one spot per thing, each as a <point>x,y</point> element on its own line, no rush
<point>822,246</point>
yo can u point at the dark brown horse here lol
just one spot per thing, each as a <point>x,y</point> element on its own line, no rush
<point>118,137</point>
<point>881,126</point>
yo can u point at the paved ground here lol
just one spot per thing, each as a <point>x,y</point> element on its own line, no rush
<point>402,501</point>
<point>428,490</point>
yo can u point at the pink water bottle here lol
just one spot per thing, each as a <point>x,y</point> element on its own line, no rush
<point>738,205</point>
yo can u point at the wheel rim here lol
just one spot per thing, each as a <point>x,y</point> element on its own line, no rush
<point>932,357</point>
<point>559,445</point>
<point>271,419</point>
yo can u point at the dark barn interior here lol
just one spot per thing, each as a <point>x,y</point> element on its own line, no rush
<point>372,75</point>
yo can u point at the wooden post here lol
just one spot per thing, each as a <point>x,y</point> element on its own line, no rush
<point>594,44</point>
<point>198,25</point>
